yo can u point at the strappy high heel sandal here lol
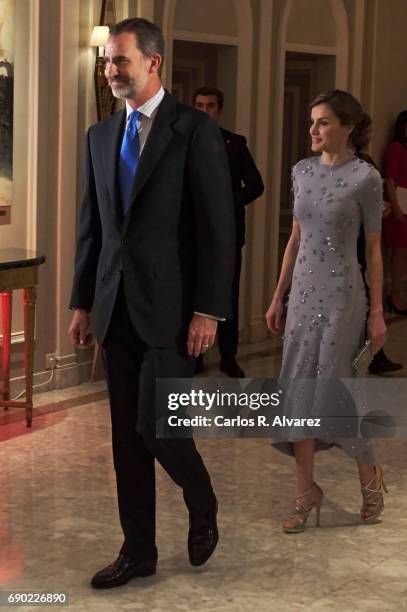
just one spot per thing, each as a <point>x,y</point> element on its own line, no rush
<point>297,521</point>
<point>373,503</point>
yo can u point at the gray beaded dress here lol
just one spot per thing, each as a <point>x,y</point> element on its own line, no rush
<point>326,315</point>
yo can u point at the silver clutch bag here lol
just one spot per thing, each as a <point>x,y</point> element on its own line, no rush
<point>363,358</point>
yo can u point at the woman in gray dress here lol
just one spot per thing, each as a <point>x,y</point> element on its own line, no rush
<point>335,192</point>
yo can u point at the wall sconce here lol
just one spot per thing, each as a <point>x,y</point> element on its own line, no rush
<point>105,101</point>
<point>99,38</point>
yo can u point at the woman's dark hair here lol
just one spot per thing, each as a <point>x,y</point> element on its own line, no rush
<point>400,127</point>
<point>150,39</point>
<point>359,139</point>
<point>348,110</point>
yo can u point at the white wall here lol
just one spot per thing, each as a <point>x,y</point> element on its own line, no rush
<point>311,23</point>
<point>214,16</point>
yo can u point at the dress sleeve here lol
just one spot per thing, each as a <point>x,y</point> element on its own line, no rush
<point>371,201</point>
<point>392,160</point>
<point>294,189</point>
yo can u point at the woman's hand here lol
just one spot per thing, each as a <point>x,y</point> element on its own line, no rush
<point>386,209</point>
<point>376,330</point>
<point>397,213</point>
<point>274,316</point>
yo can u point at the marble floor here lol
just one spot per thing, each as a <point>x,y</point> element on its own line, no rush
<point>59,523</point>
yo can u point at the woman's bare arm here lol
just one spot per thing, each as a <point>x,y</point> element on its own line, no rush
<point>287,267</point>
<point>275,312</point>
<point>374,275</point>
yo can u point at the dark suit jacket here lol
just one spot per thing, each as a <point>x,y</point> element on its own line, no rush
<point>171,248</point>
<point>247,183</point>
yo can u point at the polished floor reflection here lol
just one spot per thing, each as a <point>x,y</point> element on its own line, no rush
<point>59,524</point>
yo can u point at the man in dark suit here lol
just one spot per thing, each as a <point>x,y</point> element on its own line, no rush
<point>152,259</point>
<point>247,185</point>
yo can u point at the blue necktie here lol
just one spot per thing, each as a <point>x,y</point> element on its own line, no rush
<point>129,156</point>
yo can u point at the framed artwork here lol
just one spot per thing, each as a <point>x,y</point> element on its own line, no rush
<point>108,12</point>
<point>6,108</point>
<point>105,101</point>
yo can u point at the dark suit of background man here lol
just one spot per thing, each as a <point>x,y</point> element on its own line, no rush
<point>247,185</point>
<point>153,259</point>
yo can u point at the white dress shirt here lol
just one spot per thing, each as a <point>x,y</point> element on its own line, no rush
<point>147,111</point>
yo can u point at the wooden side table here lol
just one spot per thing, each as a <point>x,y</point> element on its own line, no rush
<point>19,270</point>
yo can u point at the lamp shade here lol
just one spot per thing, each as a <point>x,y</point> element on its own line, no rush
<point>99,36</point>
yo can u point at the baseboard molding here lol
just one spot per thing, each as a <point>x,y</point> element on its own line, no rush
<point>66,374</point>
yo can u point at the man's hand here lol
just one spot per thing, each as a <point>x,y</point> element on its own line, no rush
<point>78,329</point>
<point>201,334</point>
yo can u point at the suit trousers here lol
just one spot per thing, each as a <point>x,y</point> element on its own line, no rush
<point>132,368</point>
<point>228,331</point>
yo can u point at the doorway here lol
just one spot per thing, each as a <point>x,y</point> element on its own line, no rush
<point>196,64</point>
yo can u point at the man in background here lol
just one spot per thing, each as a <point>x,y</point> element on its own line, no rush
<point>247,185</point>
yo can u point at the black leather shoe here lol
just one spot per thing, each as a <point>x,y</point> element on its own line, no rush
<point>231,368</point>
<point>381,364</point>
<point>121,571</point>
<point>203,535</point>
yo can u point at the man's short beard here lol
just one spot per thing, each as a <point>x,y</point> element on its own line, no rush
<point>127,91</point>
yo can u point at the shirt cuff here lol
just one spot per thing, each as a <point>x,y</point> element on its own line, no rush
<point>208,316</point>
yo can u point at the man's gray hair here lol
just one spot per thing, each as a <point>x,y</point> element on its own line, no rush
<point>150,39</point>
